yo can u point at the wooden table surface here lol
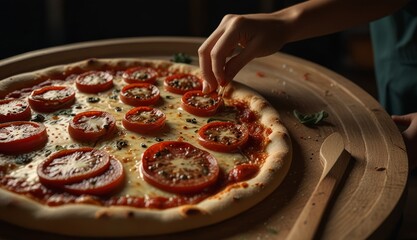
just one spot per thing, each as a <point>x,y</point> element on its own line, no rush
<point>370,200</point>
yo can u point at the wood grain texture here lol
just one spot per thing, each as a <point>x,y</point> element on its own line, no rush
<point>335,161</point>
<point>371,198</point>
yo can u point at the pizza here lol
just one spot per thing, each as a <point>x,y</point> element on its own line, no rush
<point>130,147</point>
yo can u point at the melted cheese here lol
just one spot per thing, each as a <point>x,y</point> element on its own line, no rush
<point>95,78</point>
<point>228,134</point>
<point>140,91</point>
<point>93,124</point>
<point>144,117</point>
<point>201,101</point>
<point>54,94</point>
<point>177,128</point>
<point>12,107</point>
<point>16,132</point>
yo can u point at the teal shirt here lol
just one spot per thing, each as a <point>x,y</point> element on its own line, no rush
<point>394,40</point>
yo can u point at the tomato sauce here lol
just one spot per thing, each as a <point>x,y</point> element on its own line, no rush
<point>254,150</point>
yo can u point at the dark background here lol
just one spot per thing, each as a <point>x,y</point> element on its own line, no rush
<point>27,25</point>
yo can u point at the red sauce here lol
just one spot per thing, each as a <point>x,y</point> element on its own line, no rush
<point>254,151</point>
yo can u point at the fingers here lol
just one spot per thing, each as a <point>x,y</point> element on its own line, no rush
<point>409,135</point>
<point>214,54</point>
<point>204,54</point>
<point>404,120</point>
<point>237,62</point>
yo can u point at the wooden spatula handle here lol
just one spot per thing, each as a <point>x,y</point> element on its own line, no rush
<point>308,221</point>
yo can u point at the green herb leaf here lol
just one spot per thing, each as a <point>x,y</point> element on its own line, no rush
<point>218,120</point>
<point>310,119</point>
<point>23,159</point>
<point>38,118</point>
<point>120,144</point>
<point>65,112</point>
<point>182,58</point>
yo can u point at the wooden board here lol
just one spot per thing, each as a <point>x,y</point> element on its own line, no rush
<point>371,198</point>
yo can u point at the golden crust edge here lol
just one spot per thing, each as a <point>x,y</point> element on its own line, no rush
<point>242,196</point>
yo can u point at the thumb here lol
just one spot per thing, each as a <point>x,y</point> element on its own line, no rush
<point>404,120</point>
<point>237,62</point>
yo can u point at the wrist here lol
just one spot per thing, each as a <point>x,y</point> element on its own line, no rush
<point>287,24</point>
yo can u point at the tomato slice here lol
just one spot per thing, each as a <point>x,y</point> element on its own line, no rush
<point>72,165</point>
<point>105,183</point>
<point>182,83</point>
<point>14,110</point>
<point>223,136</point>
<point>179,167</point>
<point>92,126</point>
<point>242,172</point>
<point>200,104</point>
<point>94,81</point>
<point>51,98</point>
<point>140,75</point>
<point>140,94</point>
<point>22,137</point>
<point>144,119</point>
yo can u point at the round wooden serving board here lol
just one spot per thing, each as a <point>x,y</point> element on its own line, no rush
<point>370,199</point>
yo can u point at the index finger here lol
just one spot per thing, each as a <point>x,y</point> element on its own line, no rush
<point>204,55</point>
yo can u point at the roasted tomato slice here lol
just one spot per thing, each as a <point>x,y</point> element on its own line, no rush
<point>51,98</point>
<point>144,119</point>
<point>92,126</point>
<point>94,81</point>
<point>105,183</point>
<point>14,110</point>
<point>200,104</point>
<point>22,137</point>
<point>179,167</point>
<point>140,94</point>
<point>182,83</point>
<point>242,172</point>
<point>223,136</point>
<point>140,75</point>
<point>72,165</point>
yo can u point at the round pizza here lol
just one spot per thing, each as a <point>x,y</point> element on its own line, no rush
<point>130,147</point>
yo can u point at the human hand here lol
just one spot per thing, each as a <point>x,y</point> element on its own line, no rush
<point>254,35</point>
<point>409,135</point>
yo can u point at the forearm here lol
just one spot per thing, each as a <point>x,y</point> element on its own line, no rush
<point>319,17</point>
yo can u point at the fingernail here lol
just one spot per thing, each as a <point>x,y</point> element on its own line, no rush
<point>206,87</point>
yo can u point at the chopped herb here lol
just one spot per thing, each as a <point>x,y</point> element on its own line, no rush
<point>65,112</point>
<point>121,144</point>
<point>310,119</point>
<point>159,139</point>
<point>272,230</point>
<point>93,99</point>
<point>217,120</point>
<point>114,97</point>
<point>23,159</point>
<point>143,145</point>
<point>48,152</point>
<point>191,120</point>
<point>59,148</point>
<point>38,118</point>
<point>181,58</point>
<point>118,109</point>
<point>169,97</point>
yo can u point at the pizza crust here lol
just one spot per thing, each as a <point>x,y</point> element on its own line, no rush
<point>84,219</point>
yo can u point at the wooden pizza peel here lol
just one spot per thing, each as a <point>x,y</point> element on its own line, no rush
<point>370,198</point>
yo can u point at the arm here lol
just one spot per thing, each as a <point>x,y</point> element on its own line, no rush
<point>264,34</point>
